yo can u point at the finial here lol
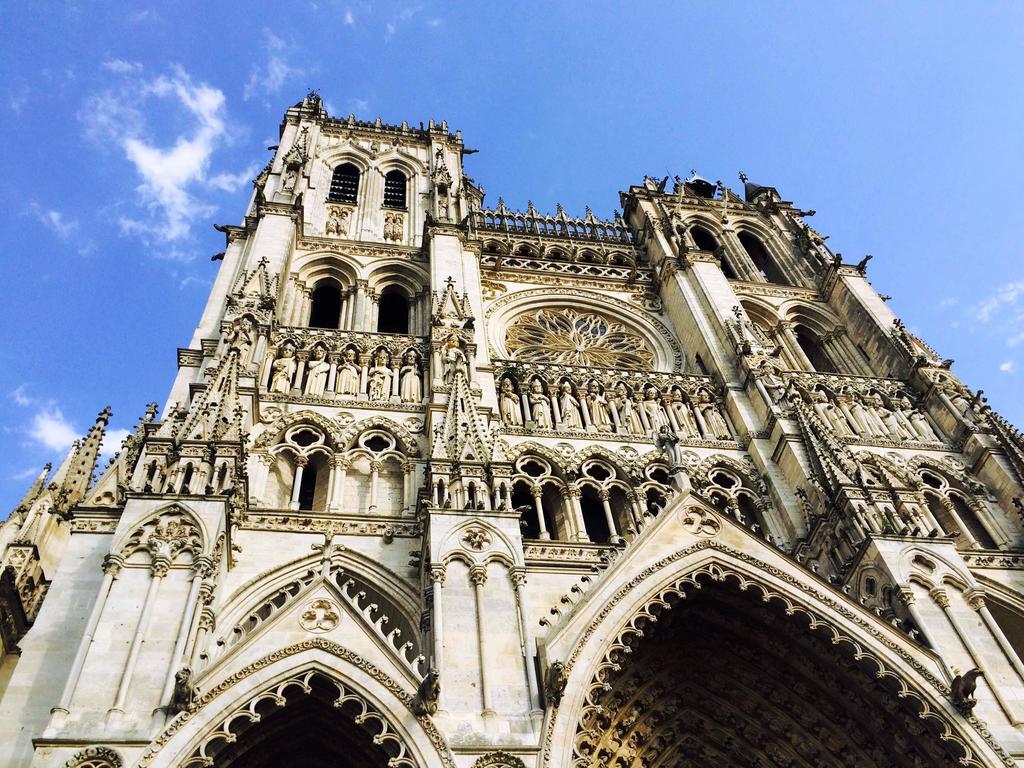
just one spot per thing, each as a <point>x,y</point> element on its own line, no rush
<point>104,416</point>
<point>743,177</point>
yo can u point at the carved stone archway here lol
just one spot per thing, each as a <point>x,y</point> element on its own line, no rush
<point>713,656</point>
<point>343,706</point>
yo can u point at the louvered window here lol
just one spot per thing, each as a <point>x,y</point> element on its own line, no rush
<point>344,184</point>
<point>394,190</point>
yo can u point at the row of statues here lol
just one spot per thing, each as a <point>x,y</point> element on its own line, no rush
<point>639,411</point>
<point>380,381</point>
<point>868,415</point>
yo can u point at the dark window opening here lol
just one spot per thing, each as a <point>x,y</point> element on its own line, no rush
<point>522,502</point>
<point>700,364</point>
<point>812,349</point>
<point>594,519</point>
<point>394,190</point>
<point>307,487</point>
<point>325,310</point>
<point>703,239</point>
<point>393,313</point>
<point>344,184</point>
<point>762,261</point>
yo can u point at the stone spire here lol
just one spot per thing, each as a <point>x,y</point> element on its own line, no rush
<point>75,475</point>
<point>34,490</point>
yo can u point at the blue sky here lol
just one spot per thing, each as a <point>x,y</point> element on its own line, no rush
<point>130,130</point>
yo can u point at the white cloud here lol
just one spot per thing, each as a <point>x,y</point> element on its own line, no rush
<point>51,430</point>
<point>1006,307</point>
<point>389,30</point>
<point>1007,367</point>
<point>21,397</point>
<point>121,66</point>
<point>350,18</point>
<point>112,440</point>
<point>1007,295</point>
<point>268,79</point>
<point>435,23</point>
<point>167,172</point>
<point>232,182</point>
<point>359,106</point>
<point>18,98</point>
<point>55,221</point>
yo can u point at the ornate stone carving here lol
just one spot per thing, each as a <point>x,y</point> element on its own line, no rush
<point>569,337</point>
<point>320,616</point>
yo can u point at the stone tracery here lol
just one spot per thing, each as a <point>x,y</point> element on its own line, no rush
<point>569,337</point>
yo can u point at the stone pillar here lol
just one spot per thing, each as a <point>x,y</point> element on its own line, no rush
<point>478,575</point>
<point>300,465</point>
<point>518,577</point>
<point>538,507</point>
<point>158,570</point>
<point>201,567</point>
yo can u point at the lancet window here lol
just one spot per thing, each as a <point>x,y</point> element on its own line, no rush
<point>731,492</point>
<point>394,189</point>
<point>325,305</point>
<point>344,184</point>
<point>393,311</point>
<point>958,513</point>
<point>762,260</point>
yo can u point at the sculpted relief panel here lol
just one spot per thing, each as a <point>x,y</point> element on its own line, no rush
<point>569,337</point>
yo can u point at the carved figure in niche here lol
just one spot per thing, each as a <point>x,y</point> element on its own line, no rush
<point>379,383</point>
<point>922,426</point>
<point>348,374</point>
<point>291,177</point>
<point>629,416</point>
<point>684,415</point>
<point>540,408</point>
<point>511,412</point>
<point>337,221</point>
<point>243,338</point>
<point>713,419</point>
<point>316,372</point>
<point>599,415</point>
<point>410,388</point>
<point>830,414</point>
<point>454,359</point>
<point>569,407</point>
<point>874,407</point>
<point>393,227</point>
<point>961,403</point>
<point>656,415</point>
<point>283,370</point>
<point>894,425</point>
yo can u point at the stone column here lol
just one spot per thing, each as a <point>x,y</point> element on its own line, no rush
<point>201,567</point>
<point>976,599</point>
<point>375,467</point>
<point>518,576</point>
<point>111,567</point>
<point>300,465</point>
<point>161,564</point>
<point>613,532</point>
<point>437,575</point>
<point>478,575</point>
<point>538,507</point>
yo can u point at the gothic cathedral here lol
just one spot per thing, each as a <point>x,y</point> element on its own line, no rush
<point>447,485</point>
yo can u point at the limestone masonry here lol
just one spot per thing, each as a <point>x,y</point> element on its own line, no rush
<point>441,484</point>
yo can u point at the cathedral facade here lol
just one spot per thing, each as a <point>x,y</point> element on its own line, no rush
<point>447,485</point>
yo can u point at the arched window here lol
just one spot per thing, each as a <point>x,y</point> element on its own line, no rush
<point>394,190</point>
<point>970,520</point>
<point>594,519</point>
<point>344,184</point>
<point>393,312</point>
<point>325,306</point>
<point>313,484</point>
<point>811,346</point>
<point>762,261</point>
<point>703,239</point>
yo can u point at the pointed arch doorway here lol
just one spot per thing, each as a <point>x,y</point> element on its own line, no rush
<point>720,676</point>
<point>314,728</point>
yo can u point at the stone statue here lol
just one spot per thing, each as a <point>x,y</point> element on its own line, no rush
<point>555,681</point>
<point>629,410</point>
<point>540,408</point>
<point>379,382</point>
<point>922,426</point>
<point>656,415</point>
<point>569,407</point>
<point>511,412</point>
<point>428,694</point>
<point>667,441</point>
<point>454,359</point>
<point>599,415</point>
<point>243,338</point>
<point>713,419</point>
<point>337,221</point>
<point>291,177</point>
<point>410,388</point>
<point>184,693</point>
<point>684,415</point>
<point>316,372</point>
<point>348,374</point>
<point>830,414</point>
<point>283,370</point>
<point>873,407</point>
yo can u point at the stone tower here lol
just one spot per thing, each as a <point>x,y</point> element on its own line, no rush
<point>446,485</point>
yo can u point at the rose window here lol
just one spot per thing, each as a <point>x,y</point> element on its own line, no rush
<point>568,337</point>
